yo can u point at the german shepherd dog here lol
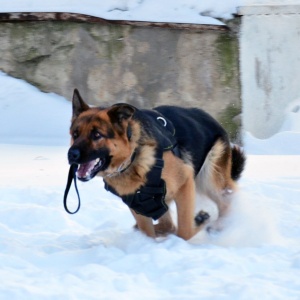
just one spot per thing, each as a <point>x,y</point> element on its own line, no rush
<point>152,157</point>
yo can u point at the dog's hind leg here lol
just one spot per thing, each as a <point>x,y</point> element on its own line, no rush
<point>215,179</point>
<point>180,181</point>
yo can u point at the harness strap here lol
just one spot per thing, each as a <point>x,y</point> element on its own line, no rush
<point>71,176</point>
<point>148,200</point>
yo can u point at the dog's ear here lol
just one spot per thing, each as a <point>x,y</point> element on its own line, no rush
<point>120,112</point>
<point>78,104</point>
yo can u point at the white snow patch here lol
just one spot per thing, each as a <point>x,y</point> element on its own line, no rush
<point>285,142</point>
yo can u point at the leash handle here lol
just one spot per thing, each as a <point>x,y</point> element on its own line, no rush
<point>71,177</point>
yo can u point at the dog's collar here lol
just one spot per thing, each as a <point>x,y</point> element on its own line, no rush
<point>123,167</point>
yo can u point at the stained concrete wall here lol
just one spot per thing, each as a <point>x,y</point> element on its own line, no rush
<point>140,65</point>
<point>270,66</point>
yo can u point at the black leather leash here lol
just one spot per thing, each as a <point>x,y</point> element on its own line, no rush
<point>71,177</point>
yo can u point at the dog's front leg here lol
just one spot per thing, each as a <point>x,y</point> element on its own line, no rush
<point>165,225</point>
<point>144,224</point>
<point>185,203</point>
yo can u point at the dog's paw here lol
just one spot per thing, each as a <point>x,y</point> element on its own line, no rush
<point>164,230</point>
<point>201,217</point>
<point>216,227</point>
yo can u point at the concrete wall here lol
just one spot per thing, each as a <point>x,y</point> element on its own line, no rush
<point>140,65</point>
<point>270,66</point>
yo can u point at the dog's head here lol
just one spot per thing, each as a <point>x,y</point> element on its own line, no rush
<point>101,137</point>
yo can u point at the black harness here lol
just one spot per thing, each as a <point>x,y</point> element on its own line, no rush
<point>149,199</point>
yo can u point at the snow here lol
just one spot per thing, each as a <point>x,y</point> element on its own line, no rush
<point>270,2</point>
<point>49,111</point>
<point>286,141</point>
<point>208,12</point>
<point>179,11</point>
<point>46,253</point>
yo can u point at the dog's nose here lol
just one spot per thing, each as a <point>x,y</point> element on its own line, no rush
<point>73,155</point>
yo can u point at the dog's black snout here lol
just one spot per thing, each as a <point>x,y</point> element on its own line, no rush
<point>73,155</point>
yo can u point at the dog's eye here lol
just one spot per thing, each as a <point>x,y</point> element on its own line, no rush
<point>75,134</point>
<point>96,135</point>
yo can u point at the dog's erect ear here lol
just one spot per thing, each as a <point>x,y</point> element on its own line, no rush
<point>79,105</point>
<point>120,112</point>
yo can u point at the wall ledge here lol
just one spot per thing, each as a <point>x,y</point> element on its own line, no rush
<point>268,10</point>
<point>75,17</point>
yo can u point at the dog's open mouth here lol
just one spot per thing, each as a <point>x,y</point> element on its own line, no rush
<point>88,170</point>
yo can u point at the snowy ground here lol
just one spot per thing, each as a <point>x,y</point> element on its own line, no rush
<point>46,253</point>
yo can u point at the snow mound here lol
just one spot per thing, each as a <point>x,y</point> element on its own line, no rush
<point>28,116</point>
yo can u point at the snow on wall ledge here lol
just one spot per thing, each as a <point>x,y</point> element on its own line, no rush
<point>270,65</point>
<point>177,11</point>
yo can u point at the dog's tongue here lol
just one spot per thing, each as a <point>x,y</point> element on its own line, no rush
<point>85,169</point>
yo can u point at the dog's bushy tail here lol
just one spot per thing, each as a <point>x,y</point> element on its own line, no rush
<point>238,162</point>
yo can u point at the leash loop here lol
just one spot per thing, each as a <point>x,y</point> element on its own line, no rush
<point>71,177</point>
